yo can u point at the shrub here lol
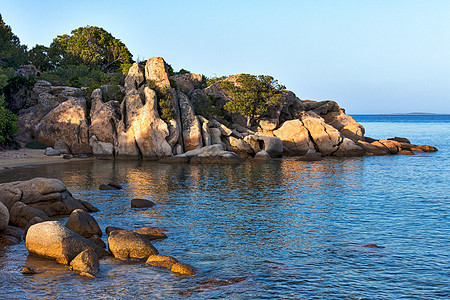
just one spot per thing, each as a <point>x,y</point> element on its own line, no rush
<point>35,145</point>
<point>8,127</point>
<point>165,106</point>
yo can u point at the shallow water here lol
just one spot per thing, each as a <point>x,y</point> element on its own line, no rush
<point>285,229</point>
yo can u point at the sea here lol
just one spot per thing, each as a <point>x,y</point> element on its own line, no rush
<point>339,228</point>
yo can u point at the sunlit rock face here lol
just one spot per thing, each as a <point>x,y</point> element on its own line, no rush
<point>66,123</point>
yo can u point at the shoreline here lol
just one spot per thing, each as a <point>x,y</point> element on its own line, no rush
<point>30,157</point>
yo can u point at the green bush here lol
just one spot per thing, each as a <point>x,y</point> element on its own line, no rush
<point>165,107</point>
<point>35,145</point>
<point>8,127</point>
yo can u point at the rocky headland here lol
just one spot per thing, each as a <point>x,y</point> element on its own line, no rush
<point>157,117</point>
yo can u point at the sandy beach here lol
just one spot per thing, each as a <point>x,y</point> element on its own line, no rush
<point>27,157</point>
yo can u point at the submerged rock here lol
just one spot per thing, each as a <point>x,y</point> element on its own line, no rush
<point>126,245</point>
<point>183,269</point>
<point>140,203</point>
<point>86,261</point>
<point>162,261</point>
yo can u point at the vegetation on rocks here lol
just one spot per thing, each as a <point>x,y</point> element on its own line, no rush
<point>8,127</point>
<point>252,95</point>
<point>165,109</point>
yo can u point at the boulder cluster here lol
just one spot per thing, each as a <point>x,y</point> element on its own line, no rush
<point>25,211</point>
<point>153,117</point>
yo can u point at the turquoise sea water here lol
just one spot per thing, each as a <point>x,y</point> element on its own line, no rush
<point>285,229</point>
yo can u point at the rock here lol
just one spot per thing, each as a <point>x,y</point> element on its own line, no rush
<point>33,221</point>
<point>400,140</point>
<point>295,137</point>
<point>345,124</point>
<point>156,70</point>
<point>325,137</point>
<point>14,232</point>
<point>424,148</point>
<point>141,132</point>
<point>216,135</point>
<point>52,240</point>
<point>311,155</point>
<point>8,240</point>
<point>213,154</point>
<point>110,229</point>
<point>205,131</point>
<point>272,145</point>
<point>28,271</point>
<point>126,245</point>
<point>263,156</point>
<point>86,274</point>
<point>182,269</point>
<point>188,82</point>
<point>110,186</point>
<point>406,152</point>
<point>371,149</point>
<point>151,233</point>
<point>26,71</point>
<point>392,146</point>
<point>52,152</point>
<point>21,214</point>
<point>238,146</point>
<point>192,130</point>
<point>67,123</point>
<point>178,159</point>
<point>105,118</point>
<point>83,223</point>
<point>89,207</point>
<point>162,261</point>
<point>138,203</point>
<point>348,148</point>
<point>4,217</point>
<point>61,147</point>
<point>85,261</point>
<point>98,241</point>
<point>268,125</point>
<point>135,77</point>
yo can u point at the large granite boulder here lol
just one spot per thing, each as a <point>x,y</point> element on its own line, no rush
<point>192,129</point>
<point>54,241</point>
<point>4,216</point>
<point>295,137</point>
<point>325,137</point>
<point>141,132</point>
<point>68,123</point>
<point>126,245</point>
<point>48,195</point>
<point>83,223</point>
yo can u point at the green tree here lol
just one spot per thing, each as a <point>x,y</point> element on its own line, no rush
<point>8,127</point>
<point>40,57</point>
<point>252,95</point>
<point>12,54</point>
<point>91,46</point>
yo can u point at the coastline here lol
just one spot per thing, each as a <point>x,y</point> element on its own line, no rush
<point>27,157</point>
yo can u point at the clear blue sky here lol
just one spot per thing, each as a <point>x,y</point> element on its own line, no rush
<point>369,56</point>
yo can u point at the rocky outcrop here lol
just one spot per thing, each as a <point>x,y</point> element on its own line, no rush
<point>214,154</point>
<point>156,120</point>
<point>54,241</point>
<point>162,261</point>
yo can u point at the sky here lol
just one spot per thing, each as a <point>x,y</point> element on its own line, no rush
<point>369,56</point>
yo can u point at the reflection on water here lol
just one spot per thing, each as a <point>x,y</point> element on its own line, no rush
<point>287,228</point>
